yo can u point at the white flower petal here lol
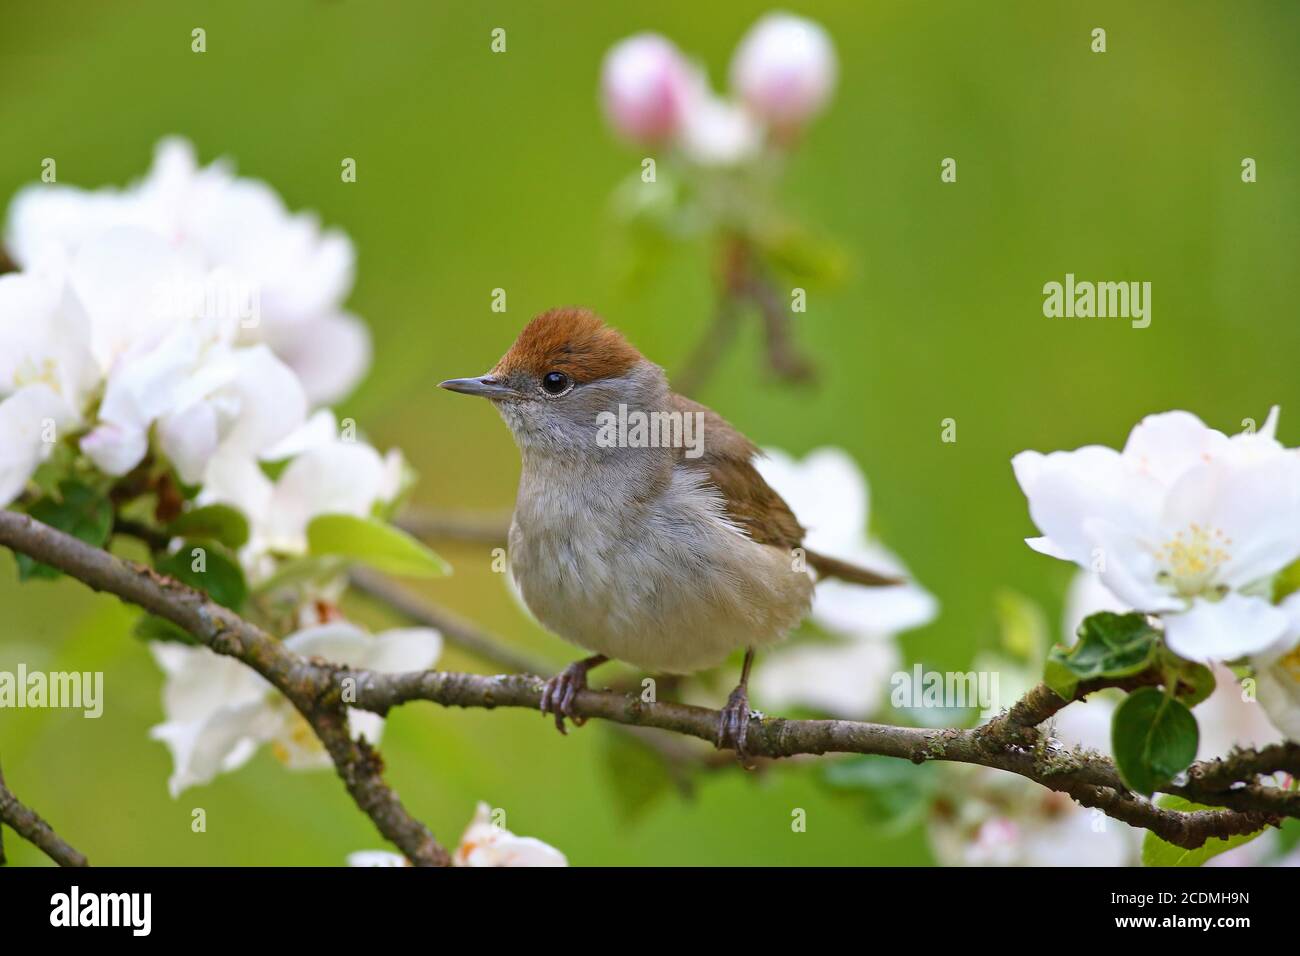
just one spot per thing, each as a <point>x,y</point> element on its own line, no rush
<point>403,649</point>
<point>115,449</point>
<point>270,400</point>
<point>847,679</point>
<point>339,642</point>
<point>31,421</point>
<point>715,132</point>
<point>484,844</point>
<point>1229,717</point>
<point>1131,570</point>
<point>1066,489</point>
<point>222,742</point>
<point>135,289</point>
<point>319,430</point>
<point>189,440</point>
<point>342,478</point>
<point>238,481</point>
<point>1164,446</point>
<point>329,354</point>
<point>377,858</point>
<point>1224,630</point>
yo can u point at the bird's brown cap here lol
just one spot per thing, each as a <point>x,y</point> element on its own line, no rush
<point>569,340</point>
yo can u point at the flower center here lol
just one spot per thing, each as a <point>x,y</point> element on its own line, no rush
<point>1191,559</point>
<point>32,373</point>
<point>1291,664</point>
<point>301,735</point>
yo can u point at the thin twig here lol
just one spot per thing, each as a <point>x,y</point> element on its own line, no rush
<point>783,356</point>
<point>454,628</point>
<point>307,686</point>
<point>742,280</point>
<point>699,368</point>
<point>28,824</point>
<point>454,526</point>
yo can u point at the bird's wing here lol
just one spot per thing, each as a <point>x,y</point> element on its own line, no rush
<point>751,503</point>
<point>727,459</point>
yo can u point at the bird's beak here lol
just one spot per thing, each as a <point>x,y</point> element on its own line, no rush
<point>485,386</point>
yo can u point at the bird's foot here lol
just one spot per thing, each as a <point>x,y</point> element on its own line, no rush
<point>733,722</point>
<point>561,691</point>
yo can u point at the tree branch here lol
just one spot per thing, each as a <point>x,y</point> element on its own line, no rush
<point>741,280</point>
<point>1090,779</point>
<point>454,526</point>
<point>1011,742</point>
<point>306,685</point>
<point>28,824</point>
<point>454,628</point>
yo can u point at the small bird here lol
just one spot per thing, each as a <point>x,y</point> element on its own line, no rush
<point>650,540</point>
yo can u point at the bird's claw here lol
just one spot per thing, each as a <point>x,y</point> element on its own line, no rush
<point>559,693</point>
<point>733,723</point>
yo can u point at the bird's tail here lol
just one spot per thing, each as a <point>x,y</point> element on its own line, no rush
<point>828,567</point>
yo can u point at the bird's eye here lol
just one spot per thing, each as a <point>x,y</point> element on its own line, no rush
<point>556,383</point>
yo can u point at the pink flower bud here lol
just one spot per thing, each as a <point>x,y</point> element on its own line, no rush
<point>644,83</point>
<point>784,70</point>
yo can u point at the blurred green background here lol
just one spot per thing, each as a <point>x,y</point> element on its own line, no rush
<point>478,171</point>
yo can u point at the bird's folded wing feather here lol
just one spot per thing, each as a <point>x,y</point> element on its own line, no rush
<point>750,502</point>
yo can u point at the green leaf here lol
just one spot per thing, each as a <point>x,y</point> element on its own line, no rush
<point>1156,852</point>
<point>80,511</point>
<point>803,255</point>
<point>218,522</point>
<point>894,794</point>
<point>55,469</point>
<point>1192,682</point>
<point>212,572</point>
<point>1109,645</point>
<point>296,572</point>
<point>374,543</point>
<point>1153,737</point>
<point>1287,581</point>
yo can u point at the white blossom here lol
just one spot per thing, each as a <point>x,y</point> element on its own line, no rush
<point>380,858</point>
<point>219,711</point>
<point>715,131</point>
<point>1185,522</point>
<point>282,266</point>
<point>483,844</point>
<point>486,844</point>
<point>328,475</point>
<point>1277,672</point>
